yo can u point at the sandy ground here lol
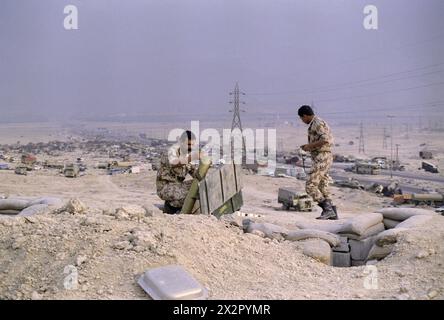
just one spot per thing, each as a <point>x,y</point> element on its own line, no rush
<point>110,252</point>
<point>231,264</point>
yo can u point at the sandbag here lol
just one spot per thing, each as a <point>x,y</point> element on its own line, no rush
<point>401,214</point>
<point>271,231</point>
<point>414,221</point>
<point>297,235</point>
<point>35,209</point>
<point>13,204</point>
<point>388,236</point>
<point>361,223</point>
<point>318,250</point>
<point>377,228</point>
<point>9,212</point>
<point>326,226</point>
<point>50,201</point>
<point>356,226</point>
<point>377,252</point>
<point>389,223</point>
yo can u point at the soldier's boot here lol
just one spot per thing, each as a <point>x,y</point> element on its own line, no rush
<point>328,213</point>
<point>336,213</point>
<point>169,209</point>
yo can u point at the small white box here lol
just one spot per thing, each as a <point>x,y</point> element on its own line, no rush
<point>171,283</point>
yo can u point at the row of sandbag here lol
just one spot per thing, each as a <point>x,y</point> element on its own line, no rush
<point>318,247</point>
<point>357,228</point>
<point>363,226</point>
<point>26,206</point>
<point>272,231</point>
<point>405,218</point>
<point>394,216</point>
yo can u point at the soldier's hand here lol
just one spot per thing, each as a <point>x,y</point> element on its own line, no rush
<point>306,147</point>
<point>195,155</point>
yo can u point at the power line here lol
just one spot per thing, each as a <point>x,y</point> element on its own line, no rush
<point>236,122</point>
<point>346,85</point>
<point>361,139</point>
<point>382,93</point>
<point>429,105</point>
<point>391,145</point>
<point>432,104</point>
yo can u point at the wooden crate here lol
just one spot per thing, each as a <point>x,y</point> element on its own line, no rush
<point>220,191</point>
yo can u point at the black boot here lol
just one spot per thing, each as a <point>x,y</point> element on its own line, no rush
<point>336,213</point>
<point>169,209</point>
<point>327,211</point>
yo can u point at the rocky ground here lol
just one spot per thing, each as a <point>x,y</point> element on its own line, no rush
<point>107,248</point>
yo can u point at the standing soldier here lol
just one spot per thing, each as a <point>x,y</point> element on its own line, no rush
<point>320,141</point>
<point>175,165</point>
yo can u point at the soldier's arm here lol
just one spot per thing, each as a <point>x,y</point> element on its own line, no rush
<point>317,144</point>
<point>325,138</point>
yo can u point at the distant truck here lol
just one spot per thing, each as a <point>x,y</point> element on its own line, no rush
<point>53,165</point>
<point>21,170</point>
<point>425,154</point>
<point>28,159</point>
<point>427,166</point>
<point>291,198</point>
<point>71,170</point>
<point>366,168</point>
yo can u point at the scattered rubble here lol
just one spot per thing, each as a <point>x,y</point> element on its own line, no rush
<point>73,206</point>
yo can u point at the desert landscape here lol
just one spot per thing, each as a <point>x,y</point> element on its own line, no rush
<point>93,93</point>
<point>111,229</point>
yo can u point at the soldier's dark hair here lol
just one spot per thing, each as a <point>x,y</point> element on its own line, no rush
<point>307,110</point>
<point>187,136</point>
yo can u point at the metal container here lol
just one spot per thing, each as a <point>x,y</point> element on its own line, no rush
<point>428,197</point>
<point>171,283</point>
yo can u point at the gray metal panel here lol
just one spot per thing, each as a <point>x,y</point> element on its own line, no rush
<point>214,188</point>
<point>238,172</point>
<point>228,182</point>
<point>203,198</point>
<point>171,283</point>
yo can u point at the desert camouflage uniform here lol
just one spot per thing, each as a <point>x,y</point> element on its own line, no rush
<point>318,180</point>
<point>170,182</point>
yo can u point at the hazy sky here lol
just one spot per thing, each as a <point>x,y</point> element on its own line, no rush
<point>178,56</point>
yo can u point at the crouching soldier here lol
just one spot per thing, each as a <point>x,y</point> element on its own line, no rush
<point>175,165</point>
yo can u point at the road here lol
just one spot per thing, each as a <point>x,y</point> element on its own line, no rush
<point>406,188</point>
<point>401,174</point>
<point>370,180</point>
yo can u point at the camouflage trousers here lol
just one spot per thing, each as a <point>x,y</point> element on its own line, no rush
<point>318,180</point>
<point>175,192</point>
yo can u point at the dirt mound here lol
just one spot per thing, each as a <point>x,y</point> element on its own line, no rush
<point>99,256</point>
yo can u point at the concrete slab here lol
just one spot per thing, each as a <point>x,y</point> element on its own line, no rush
<point>357,263</point>
<point>359,249</point>
<point>341,259</point>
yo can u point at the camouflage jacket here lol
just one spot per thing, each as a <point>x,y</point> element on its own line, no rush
<point>172,171</point>
<point>319,130</point>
